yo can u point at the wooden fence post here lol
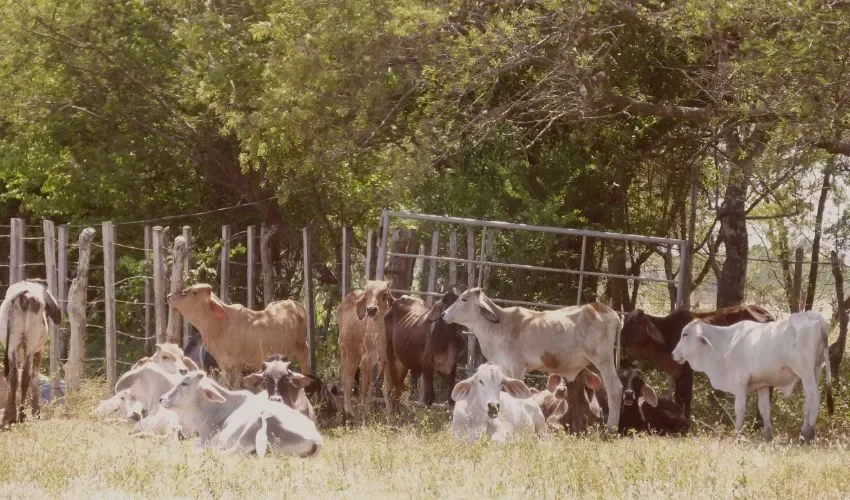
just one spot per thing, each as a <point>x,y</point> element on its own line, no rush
<point>345,284</point>
<point>62,286</point>
<point>187,263</point>
<point>370,243</point>
<point>308,302</point>
<point>487,251</point>
<point>432,275</point>
<point>158,285</point>
<point>471,340</point>
<point>14,248</point>
<point>452,254</point>
<point>224,286</point>
<point>77,302</point>
<point>419,271</point>
<point>266,234</point>
<point>50,272</point>
<point>148,289</point>
<point>249,295</point>
<point>175,325</point>
<point>22,250</point>
<point>108,232</point>
<point>797,286</point>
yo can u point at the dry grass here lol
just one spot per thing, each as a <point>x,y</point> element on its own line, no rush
<point>73,455</point>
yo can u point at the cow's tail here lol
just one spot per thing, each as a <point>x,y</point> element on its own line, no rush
<point>830,404</point>
<point>261,440</point>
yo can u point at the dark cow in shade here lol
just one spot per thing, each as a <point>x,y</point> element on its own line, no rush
<point>643,411</point>
<point>420,341</point>
<point>653,338</point>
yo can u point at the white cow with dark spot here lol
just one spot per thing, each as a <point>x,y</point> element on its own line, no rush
<point>750,356</point>
<point>482,406</point>
<point>563,341</point>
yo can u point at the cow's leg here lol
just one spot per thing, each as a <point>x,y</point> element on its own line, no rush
<point>428,386</point>
<point>349,372</point>
<point>740,410</point>
<point>764,411</point>
<point>26,376</point>
<point>810,406</point>
<point>613,387</point>
<point>302,355</point>
<point>365,387</point>
<point>10,416</point>
<point>35,383</point>
<point>398,376</point>
<point>450,384</point>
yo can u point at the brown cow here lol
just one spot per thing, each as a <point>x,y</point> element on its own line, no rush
<point>362,339</point>
<point>585,397</point>
<point>420,341</point>
<point>653,338</point>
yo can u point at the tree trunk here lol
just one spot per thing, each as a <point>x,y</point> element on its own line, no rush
<point>836,350</point>
<point>813,269</point>
<point>733,225</point>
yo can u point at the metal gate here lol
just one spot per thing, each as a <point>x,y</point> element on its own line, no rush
<point>481,263</point>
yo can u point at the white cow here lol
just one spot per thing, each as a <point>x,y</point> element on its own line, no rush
<point>750,356</point>
<point>240,420</point>
<point>482,406</point>
<point>563,341</point>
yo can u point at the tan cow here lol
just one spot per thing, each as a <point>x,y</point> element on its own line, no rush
<point>362,339</point>
<point>241,338</point>
<point>563,341</point>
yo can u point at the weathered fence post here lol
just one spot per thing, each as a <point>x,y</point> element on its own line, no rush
<point>487,251</point>
<point>224,286</point>
<point>308,301</point>
<point>108,232</point>
<point>345,283</point>
<point>77,301</point>
<point>797,286</point>
<point>14,251</point>
<point>266,234</point>
<point>175,325</point>
<point>417,281</point>
<point>432,276</point>
<point>453,255</point>
<point>249,293</point>
<point>62,286</point>
<point>148,289</point>
<point>370,243</point>
<point>22,250</point>
<point>470,258</point>
<point>187,263</point>
<point>50,272</point>
<point>158,285</point>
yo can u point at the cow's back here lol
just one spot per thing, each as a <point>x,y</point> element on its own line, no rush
<point>408,324</point>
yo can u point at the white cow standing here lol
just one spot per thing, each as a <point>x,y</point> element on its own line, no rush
<point>482,406</point>
<point>750,356</point>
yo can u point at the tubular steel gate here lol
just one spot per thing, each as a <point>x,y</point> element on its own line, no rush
<point>471,262</point>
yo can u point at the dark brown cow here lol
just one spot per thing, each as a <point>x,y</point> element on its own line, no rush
<point>418,340</point>
<point>585,396</point>
<point>653,338</point>
<point>643,411</point>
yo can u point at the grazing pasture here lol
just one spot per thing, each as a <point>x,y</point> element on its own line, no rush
<point>71,454</point>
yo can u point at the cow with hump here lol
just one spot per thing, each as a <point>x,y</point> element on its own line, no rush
<point>363,340</point>
<point>652,338</point>
<point>420,341</point>
<point>563,341</point>
<point>238,420</point>
<point>750,356</point>
<point>493,404</point>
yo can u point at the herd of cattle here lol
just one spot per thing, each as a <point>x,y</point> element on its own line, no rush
<point>266,404</point>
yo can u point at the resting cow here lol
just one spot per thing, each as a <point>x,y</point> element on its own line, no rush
<point>363,340</point>
<point>481,406</point>
<point>552,401</point>
<point>283,385</point>
<point>563,341</point>
<point>24,326</point>
<point>418,340</point>
<point>750,356</point>
<point>644,411</point>
<point>585,407</point>
<point>239,420</point>
<point>652,338</point>
<point>241,338</point>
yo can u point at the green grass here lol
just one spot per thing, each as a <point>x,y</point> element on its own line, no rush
<point>70,454</point>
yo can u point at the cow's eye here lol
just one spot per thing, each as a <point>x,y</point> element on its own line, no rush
<point>463,300</point>
<point>481,382</point>
<point>184,384</point>
<point>684,335</point>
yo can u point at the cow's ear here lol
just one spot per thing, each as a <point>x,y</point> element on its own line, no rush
<point>704,340</point>
<point>360,308</point>
<point>252,381</point>
<point>210,392</point>
<point>653,333</point>
<point>648,394</point>
<point>516,388</point>
<point>190,364</point>
<point>553,382</point>
<point>390,298</point>
<point>592,380</point>
<point>218,310</point>
<point>533,390</point>
<point>301,381</point>
<point>52,309</point>
<point>461,390</point>
<point>436,311</point>
<point>488,309</point>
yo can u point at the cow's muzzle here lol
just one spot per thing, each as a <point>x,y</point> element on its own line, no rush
<point>372,311</point>
<point>628,397</point>
<point>276,398</point>
<point>678,358</point>
<point>492,410</point>
<point>163,401</point>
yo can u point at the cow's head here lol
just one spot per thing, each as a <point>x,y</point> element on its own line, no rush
<point>481,391</point>
<point>281,383</point>
<point>171,359</point>
<point>448,299</point>
<point>636,390</point>
<point>640,333</point>
<point>471,305</point>
<point>693,342</point>
<point>376,300</point>
<point>189,391</point>
<point>583,406</point>
<point>197,300</point>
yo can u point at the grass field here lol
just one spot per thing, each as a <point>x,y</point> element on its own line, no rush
<point>70,454</point>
